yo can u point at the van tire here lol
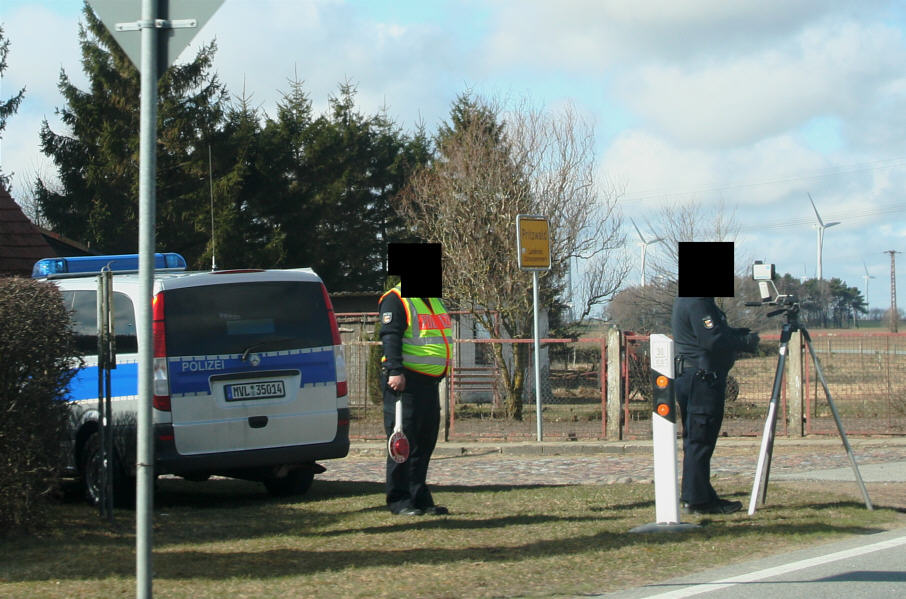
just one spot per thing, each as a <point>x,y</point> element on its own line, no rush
<point>90,468</point>
<point>296,482</point>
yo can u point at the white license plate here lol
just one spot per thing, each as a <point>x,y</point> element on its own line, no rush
<point>257,390</point>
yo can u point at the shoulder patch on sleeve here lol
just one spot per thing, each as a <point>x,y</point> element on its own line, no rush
<point>387,317</point>
<point>708,322</point>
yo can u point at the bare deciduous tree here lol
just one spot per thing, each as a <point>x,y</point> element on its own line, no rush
<point>493,165</point>
<point>648,308</point>
<point>29,203</point>
<point>688,222</point>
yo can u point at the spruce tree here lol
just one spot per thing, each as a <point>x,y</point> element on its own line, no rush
<point>97,157</point>
<point>339,172</point>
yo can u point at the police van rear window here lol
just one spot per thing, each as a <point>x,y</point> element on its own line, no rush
<point>83,305</point>
<point>238,317</point>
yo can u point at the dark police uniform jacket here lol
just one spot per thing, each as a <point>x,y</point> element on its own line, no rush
<point>393,326</point>
<point>703,340</point>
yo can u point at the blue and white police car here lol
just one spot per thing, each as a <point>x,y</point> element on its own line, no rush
<point>249,373</point>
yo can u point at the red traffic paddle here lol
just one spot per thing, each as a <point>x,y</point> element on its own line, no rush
<point>398,444</point>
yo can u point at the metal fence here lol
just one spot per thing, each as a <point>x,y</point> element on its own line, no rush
<point>587,394</point>
<point>866,375</point>
<point>864,371</point>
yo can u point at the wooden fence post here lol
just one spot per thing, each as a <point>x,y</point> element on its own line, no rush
<point>794,387</point>
<point>614,388</point>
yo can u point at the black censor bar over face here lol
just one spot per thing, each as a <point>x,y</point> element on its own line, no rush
<point>419,267</point>
<point>705,269</point>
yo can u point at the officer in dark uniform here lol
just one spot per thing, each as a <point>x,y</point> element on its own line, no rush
<point>705,346</point>
<point>407,492</point>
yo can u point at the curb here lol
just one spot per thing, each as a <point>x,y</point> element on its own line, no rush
<point>568,448</point>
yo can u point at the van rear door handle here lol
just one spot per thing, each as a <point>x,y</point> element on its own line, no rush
<point>257,421</point>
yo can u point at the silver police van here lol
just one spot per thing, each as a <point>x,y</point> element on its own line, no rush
<point>249,373</point>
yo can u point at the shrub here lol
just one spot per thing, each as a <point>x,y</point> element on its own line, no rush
<point>35,350</point>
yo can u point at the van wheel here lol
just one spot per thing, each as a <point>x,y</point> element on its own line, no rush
<point>296,482</point>
<point>92,475</point>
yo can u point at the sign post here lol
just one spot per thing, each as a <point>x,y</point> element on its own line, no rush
<point>106,363</point>
<point>152,54</point>
<point>534,252</point>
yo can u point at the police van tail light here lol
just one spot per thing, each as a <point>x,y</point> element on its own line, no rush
<point>339,356</point>
<point>160,379</point>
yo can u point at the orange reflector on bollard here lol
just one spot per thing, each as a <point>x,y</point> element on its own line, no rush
<point>663,410</point>
<point>661,382</point>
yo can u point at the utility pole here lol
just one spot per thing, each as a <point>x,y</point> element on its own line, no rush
<point>894,313</point>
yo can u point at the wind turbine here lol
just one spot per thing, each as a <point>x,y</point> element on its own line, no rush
<point>866,276</point>
<point>820,227</point>
<point>644,245</point>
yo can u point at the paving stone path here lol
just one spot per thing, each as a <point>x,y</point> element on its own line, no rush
<point>496,468</point>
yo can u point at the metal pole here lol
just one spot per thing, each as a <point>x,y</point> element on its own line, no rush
<point>146,244</point>
<point>102,412</point>
<point>830,402</point>
<point>894,313</point>
<point>537,356</point>
<point>213,232</point>
<point>106,363</point>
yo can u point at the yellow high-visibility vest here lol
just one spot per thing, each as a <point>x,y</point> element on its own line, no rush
<point>426,340</point>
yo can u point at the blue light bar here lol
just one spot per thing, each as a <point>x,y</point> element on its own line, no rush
<point>85,265</point>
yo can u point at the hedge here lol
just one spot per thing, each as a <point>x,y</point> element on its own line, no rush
<point>36,349</point>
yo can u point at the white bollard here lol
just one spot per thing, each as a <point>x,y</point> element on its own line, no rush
<point>663,429</point>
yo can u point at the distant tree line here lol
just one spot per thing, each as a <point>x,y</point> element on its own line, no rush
<point>883,314</point>
<point>823,304</point>
<point>830,303</point>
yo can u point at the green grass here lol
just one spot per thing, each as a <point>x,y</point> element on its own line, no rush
<point>226,538</point>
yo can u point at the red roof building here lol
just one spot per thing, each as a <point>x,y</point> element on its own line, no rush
<point>21,244</point>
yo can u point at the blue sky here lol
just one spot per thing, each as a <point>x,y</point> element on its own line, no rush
<point>751,103</point>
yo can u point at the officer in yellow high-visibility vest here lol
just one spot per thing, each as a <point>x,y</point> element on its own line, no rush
<point>416,337</point>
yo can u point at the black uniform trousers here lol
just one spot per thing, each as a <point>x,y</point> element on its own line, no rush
<point>701,402</point>
<point>406,485</point>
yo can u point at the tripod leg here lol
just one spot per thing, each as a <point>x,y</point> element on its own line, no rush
<point>766,473</point>
<point>762,470</point>
<point>833,408</point>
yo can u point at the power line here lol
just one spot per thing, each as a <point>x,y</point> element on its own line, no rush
<point>797,222</point>
<point>842,170</point>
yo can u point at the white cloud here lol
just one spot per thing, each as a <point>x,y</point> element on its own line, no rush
<point>603,34</point>
<point>651,168</point>
<point>325,44</point>
<point>41,43</point>
<point>837,70</point>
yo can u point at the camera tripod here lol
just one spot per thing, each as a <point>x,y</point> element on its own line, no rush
<point>791,324</point>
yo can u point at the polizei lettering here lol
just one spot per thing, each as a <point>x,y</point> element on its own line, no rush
<point>202,365</point>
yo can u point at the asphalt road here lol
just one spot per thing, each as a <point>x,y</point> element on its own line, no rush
<point>865,567</point>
